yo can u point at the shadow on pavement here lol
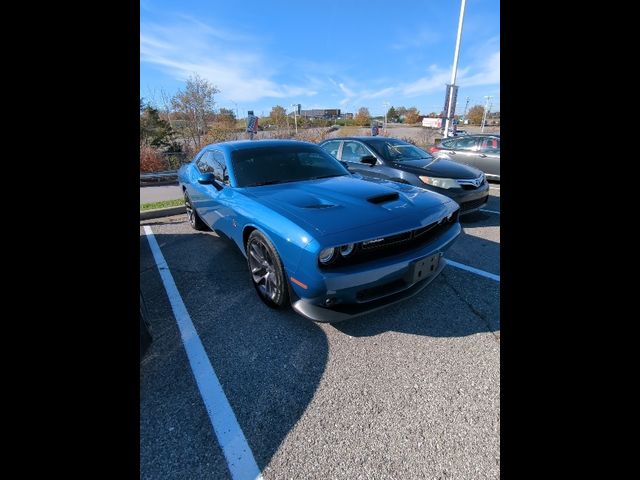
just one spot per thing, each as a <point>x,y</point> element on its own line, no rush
<point>269,362</point>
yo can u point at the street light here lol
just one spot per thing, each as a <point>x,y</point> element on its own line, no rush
<point>484,115</point>
<point>465,110</point>
<point>236,107</point>
<point>386,104</point>
<point>295,117</point>
<point>454,70</point>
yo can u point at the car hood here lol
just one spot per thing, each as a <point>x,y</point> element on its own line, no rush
<point>438,167</point>
<point>337,204</point>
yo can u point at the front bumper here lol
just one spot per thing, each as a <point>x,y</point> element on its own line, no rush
<point>469,200</point>
<point>388,277</point>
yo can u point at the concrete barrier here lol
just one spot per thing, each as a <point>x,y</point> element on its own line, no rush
<point>163,212</point>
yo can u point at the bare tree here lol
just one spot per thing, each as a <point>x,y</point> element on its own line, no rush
<point>194,104</point>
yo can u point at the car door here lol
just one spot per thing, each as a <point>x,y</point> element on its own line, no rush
<point>204,197</point>
<point>215,210</point>
<point>489,156</point>
<point>462,150</point>
<point>352,153</point>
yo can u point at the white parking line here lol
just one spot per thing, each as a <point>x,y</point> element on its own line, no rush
<point>477,271</point>
<point>491,187</point>
<point>490,211</point>
<point>240,460</point>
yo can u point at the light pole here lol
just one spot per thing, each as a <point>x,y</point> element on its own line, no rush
<point>295,117</point>
<point>454,70</point>
<point>386,104</point>
<point>465,110</point>
<point>484,115</point>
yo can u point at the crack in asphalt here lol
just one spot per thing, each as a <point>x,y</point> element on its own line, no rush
<point>477,313</point>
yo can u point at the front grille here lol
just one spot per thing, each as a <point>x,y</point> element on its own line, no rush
<point>469,185</point>
<point>372,293</point>
<point>464,206</point>
<point>393,244</point>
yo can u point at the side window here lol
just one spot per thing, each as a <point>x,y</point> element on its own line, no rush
<point>465,144</point>
<point>353,152</point>
<point>490,145</point>
<point>332,147</point>
<point>204,164</point>
<point>448,143</point>
<point>219,167</point>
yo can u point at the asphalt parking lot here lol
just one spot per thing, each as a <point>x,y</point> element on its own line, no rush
<point>411,391</point>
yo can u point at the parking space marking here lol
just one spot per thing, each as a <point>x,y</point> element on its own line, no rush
<point>491,187</point>
<point>477,271</point>
<point>489,211</point>
<point>240,460</point>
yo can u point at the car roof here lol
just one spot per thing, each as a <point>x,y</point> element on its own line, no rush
<point>249,144</point>
<point>364,138</point>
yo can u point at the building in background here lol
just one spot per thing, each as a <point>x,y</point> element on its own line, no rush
<point>321,113</point>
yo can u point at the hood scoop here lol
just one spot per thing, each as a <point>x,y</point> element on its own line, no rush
<point>378,199</point>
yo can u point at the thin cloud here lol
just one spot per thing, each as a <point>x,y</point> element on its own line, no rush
<point>416,40</point>
<point>191,46</point>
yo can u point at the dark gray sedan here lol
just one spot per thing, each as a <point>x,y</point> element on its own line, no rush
<point>479,151</point>
<point>400,161</point>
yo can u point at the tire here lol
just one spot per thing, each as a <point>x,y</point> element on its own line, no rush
<point>266,271</point>
<point>193,217</point>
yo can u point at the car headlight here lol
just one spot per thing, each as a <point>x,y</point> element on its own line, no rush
<point>326,255</point>
<point>346,250</point>
<point>440,182</point>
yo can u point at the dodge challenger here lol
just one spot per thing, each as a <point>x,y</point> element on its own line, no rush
<point>317,237</point>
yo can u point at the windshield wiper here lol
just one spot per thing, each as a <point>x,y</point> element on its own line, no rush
<point>268,182</point>
<point>327,176</point>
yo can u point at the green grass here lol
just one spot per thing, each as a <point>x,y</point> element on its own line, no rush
<point>162,204</point>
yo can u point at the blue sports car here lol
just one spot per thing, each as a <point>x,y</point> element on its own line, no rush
<point>315,236</point>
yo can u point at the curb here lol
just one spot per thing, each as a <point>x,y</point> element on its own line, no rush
<point>162,212</point>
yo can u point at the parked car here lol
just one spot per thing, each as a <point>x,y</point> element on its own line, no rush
<point>315,236</point>
<point>400,161</point>
<point>480,151</point>
<point>145,329</point>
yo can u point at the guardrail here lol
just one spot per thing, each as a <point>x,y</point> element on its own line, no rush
<point>155,178</point>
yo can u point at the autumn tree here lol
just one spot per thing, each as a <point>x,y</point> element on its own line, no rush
<point>278,116</point>
<point>412,115</point>
<point>193,105</point>
<point>475,114</point>
<point>363,116</point>
<point>226,117</point>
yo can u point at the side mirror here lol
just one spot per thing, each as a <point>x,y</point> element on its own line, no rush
<point>344,164</point>
<point>369,160</point>
<point>209,179</point>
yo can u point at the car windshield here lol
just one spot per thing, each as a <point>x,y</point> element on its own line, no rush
<point>399,151</point>
<point>253,167</point>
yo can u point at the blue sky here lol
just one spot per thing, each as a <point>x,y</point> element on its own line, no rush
<point>342,54</point>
